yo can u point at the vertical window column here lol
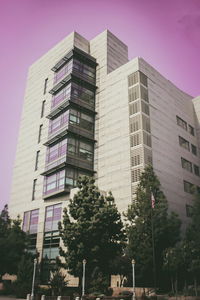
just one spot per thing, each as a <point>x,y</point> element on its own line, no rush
<point>40,133</point>
<point>45,85</point>
<point>36,160</point>
<point>34,188</point>
<point>43,108</point>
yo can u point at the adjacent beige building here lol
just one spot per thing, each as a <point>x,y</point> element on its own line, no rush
<point>89,110</point>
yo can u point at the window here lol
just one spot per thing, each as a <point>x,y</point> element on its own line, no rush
<point>135,140</point>
<point>33,224</point>
<point>64,71</point>
<point>84,69</point>
<point>133,79</point>
<point>188,187</point>
<point>196,170</point>
<point>64,94</point>
<point>144,94</point>
<point>72,176</point>
<point>189,210</point>
<point>147,139</point>
<point>191,130</point>
<point>186,164</point>
<point>34,188</point>
<point>45,85</point>
<point>134,108</point>
<point>133,93</point>
<point>147,156</point>
<point>85,151</point>
<point>52,217</point>
<point>145,108</point>
<point>51,236</point>
<point>181,123</point>
<point>54,182</point>
<point>146,123</point>
<point>135,124</point>
<point>84,121</point>
<point>81,149</point>
<point>30,226</point>
<point>143,79</point>
<point>51,245</point>
<point>83,94</point>
<point>135,175</point>
<point>56,151</point>
<point>36,160</point>
<point>42,109</point>
<point>184,143</point>
<point>40,133</point>
<point>135,160</point>
<point>194,149</point>
<point>59,122</point>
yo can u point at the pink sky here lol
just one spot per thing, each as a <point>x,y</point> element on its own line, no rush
<point>166,33</point>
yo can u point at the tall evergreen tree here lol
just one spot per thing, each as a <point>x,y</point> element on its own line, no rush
<point>92,229</point>
<point>23,284</point>
<point>192,243</point>
<point>13,242</point>
<point>145,218</point>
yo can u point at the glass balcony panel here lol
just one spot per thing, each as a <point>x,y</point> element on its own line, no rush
<point>66,70</point>
<point>64,94</point>
<point>83,94</point>
<point>54,182</point>
<point>58,123</point>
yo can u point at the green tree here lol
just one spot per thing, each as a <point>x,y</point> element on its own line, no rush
<point>142,218</point>
<point>92,229</point>
<point>121,266</point>
<point>174,265</point>
<point>192,243</point>
<point>5,222</point>
<point>57,282</point>
<point>23,284</point>
<point>13,242</point>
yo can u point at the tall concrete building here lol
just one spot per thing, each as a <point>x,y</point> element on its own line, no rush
<point>89,110</point>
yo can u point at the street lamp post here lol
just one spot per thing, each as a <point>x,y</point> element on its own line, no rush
<point>33,282</point>
<point>83,281</point>
<point>133,269</point>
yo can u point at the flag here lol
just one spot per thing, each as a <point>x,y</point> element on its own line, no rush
<point>152,200</point>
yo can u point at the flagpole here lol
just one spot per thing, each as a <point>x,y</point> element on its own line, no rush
<point>153,243</point>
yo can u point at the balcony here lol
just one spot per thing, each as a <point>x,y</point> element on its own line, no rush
<point>69,128</point>
<point>79,163</point>
<point>55,165</point>
<point>75,52</point>
<point>68,159</point>
<point>85,77</point>
<point>57,192</point>
<point>88,105</point>
<point>57,135</point>
<point>60,84</point>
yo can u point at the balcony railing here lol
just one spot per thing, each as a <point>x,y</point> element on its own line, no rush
<point>55,164</point>
<point>56,101</point>
<point>58,190</point>
<point>64,127</point>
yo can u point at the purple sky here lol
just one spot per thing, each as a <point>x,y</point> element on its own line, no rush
<point>166,33</point>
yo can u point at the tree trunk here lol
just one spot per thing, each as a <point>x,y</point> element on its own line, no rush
<point>176,285</point>
<point>185,288</point>
<point>172,285</point>
<point>195,286</point>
